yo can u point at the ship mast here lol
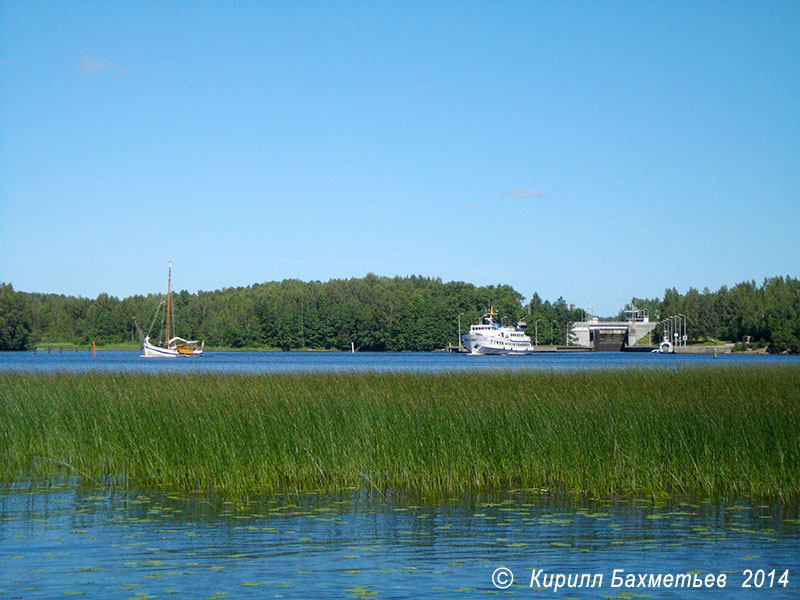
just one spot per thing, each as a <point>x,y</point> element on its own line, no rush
<point>169,283</point>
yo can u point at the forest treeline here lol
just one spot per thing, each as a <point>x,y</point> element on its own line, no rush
<point>376,313</point>
<point>768,313</point>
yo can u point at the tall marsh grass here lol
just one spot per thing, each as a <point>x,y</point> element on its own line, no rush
<point>719,431</point>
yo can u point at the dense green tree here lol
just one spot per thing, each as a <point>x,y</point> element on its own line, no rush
<point>782,312</point>
<point>105,320</point>
<point>15,319</point>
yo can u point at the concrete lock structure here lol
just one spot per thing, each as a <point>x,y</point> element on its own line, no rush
<point>613,336</point>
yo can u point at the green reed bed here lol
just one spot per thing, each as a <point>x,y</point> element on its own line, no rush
<point>719,431</point>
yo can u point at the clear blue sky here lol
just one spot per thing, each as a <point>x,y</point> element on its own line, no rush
<point>590,150</point>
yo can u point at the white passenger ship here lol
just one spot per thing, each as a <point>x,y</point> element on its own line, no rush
<point>490,337</point>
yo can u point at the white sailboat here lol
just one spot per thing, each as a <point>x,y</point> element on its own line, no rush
<point>175,346</point>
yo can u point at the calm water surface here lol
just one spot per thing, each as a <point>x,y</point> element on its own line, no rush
<point>110,544</point>
<point>104,543</point>
<point>268,362</point>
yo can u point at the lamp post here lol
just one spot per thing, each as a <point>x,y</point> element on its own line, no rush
<point>663,323</point>
<point>676,334</point>
<point>566,335</point>
<point>684,329</point>
<point>536,327</point>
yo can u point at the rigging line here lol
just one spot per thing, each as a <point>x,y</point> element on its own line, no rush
<point>155,316</point>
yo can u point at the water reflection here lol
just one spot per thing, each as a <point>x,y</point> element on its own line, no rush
<point>117,544</point>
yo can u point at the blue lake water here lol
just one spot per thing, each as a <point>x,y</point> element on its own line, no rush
<point>65,540</point>
<point>269,362</point>
<point>102,543</point>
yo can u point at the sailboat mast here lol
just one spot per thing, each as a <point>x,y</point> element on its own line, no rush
<point>169,283</point>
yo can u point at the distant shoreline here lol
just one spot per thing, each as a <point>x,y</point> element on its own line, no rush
<point>721,348</point>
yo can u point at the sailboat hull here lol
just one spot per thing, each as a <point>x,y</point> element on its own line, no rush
<point>151,351</point>
<point>154,351</point>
